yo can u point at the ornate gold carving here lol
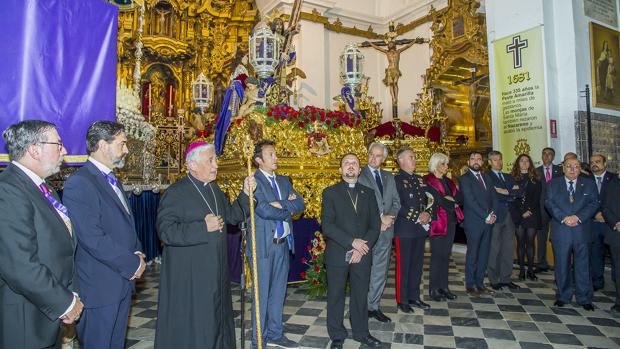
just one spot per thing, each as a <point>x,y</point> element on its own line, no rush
<point>338,27</point>
<point>310,173</point>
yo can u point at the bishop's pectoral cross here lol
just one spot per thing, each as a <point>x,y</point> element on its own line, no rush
<point>392,52</point>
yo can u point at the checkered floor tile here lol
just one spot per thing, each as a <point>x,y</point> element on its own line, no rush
<point>524,318</point>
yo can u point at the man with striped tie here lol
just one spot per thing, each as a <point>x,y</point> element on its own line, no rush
<point>36,241</point>
<point>108,256</point>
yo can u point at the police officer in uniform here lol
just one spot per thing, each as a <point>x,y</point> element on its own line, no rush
<point>410,230</point>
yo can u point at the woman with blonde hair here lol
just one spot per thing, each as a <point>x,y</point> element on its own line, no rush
<point>443,227</point>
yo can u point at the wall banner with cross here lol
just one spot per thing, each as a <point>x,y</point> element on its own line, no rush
<point>520,94</point>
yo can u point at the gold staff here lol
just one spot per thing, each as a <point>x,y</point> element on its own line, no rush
<point>259,337</point>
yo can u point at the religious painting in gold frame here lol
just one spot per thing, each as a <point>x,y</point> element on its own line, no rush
<point>605,63</point>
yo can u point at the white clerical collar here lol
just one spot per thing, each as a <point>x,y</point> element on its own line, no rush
<point>103,168</point>
<point>33,176</point>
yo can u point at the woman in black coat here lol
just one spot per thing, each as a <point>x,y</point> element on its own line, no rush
<point>526,212</point>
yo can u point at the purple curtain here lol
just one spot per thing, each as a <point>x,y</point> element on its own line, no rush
<point>58,64</point>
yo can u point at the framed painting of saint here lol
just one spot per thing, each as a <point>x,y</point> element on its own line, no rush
<point>605,60</point>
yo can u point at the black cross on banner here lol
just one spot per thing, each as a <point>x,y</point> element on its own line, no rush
<point>516,47</point>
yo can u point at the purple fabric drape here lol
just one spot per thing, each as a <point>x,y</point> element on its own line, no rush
<point>58,64</point>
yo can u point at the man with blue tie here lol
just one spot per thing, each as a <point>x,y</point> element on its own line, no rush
<point>479,219</point>
<point>276,204</point>
<point>505,190</point>
<point>572,202</point>
<point>108,256</point>
<point>602,178</point>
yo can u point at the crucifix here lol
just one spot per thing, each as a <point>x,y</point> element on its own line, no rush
<point>392,72</point>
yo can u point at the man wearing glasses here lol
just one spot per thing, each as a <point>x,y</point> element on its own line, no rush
<point>36,241</point>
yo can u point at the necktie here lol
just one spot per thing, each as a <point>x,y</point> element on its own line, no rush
<point>378,180</point>
<point>571,188</point>
<point>479,177</point>
<point>547,175</point>
<point>279,224</point>
<point>599,183</point>
<point>60,208</point>
<point>116,186</point>
<point>501,176</point>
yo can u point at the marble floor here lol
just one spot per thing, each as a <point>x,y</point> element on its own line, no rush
<point>524,318</point>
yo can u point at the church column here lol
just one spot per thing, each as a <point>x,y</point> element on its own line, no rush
<point>310,44</point>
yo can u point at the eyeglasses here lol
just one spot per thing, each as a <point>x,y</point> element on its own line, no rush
<point>58,144</point>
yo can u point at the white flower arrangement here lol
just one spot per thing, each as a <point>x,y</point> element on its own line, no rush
<point>128,113</point>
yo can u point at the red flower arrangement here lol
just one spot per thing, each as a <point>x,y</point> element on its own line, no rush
<point>315,277</point>
<point>306,117</point>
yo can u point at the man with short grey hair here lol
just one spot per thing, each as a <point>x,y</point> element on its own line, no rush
<point>36,241</point>
<point>388,201</point>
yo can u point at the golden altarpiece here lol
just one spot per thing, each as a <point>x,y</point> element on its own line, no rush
<point>165,44</point>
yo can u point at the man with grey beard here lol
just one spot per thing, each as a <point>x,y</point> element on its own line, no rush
<point>36,241</point>
<point>108,256</point>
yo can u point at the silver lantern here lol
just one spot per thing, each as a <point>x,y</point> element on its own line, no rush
<point>351,66</point>
<point>202,92</point>
<point>264,50</point>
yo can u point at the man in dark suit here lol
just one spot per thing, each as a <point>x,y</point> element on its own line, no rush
<point>36,241</point>
<point>610,207</point>
<point>350,219</point>
<point>276,203</point>
<point>602,178</point>
<point>410,230</point>
<point>108,255</point>
<point>547,171</point>
<point>479,214</point>
<point>382,182</point>
<point>502,236</point>
<point>572,202</point>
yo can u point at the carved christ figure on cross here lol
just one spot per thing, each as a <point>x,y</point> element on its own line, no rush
<point>392,72</point>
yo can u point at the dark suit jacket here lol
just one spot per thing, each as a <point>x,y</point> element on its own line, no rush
<point>413,200</point>
<point>502,202</point>
<point>585,206</point>
<point>342,223</point>
<point>36,264</point>
<point>556,171</point>
<point>107,238</point>
<point>267,215</point>
<point>478,202</point>
<point>610,207</point>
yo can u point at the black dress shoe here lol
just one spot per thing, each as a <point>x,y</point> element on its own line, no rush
<point>405,308</point>
<point>531,275</point>
<point>596,288</point>
<point>511,285</point>
<point>497,287</point>
<point>588,307</point>
<point>337,344</point>
<point>379,316</point>
<point>540,270</point>
<point>446,293</point>
<point>559,303</point>
<point>370,342</point>
<point>522,275</point>
<point>437,296</point>
<point>420,304</point>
